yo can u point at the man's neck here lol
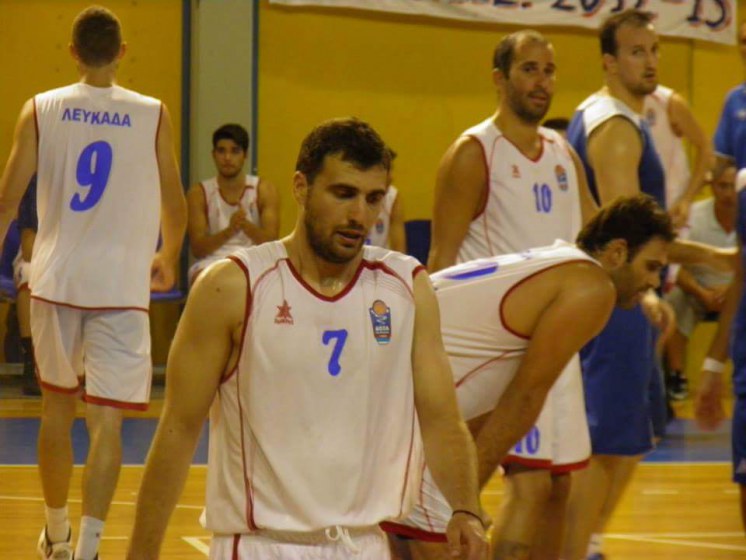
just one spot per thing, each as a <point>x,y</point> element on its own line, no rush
<point>525,136</point>
<point>233,184</point>
<point>101,77</point>
<point>631,100</point>
<point>325,277</point>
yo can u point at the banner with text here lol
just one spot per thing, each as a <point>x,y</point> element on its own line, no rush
<point>710,20</point>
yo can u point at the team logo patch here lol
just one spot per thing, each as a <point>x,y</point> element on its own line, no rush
<point>284,317</point>
<point>380,318</point>
<point>650,117</point>
<point>515,171</point>
<point>379,226</point>
<point>561,174</point>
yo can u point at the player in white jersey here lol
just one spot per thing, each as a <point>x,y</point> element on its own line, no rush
<point>500,318</point>
<point>231,210</point>
<point>326,366</point>
<point>504,186</point>
<point>107,174</point>
<point>388,231</point>
<point>671,121</point>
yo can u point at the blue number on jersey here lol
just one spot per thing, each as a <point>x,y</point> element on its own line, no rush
<point>531,442</point>
<point>341,336</point>
<point>543,198</point>
<point>94,167</point>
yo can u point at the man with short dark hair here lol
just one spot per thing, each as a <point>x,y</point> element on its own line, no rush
<point>500,318</point>
<point>232,209</point>
<point>107,182</point>
<point>324,361</point>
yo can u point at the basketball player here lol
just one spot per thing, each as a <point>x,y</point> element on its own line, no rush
<point>619,156</point>
<point>731,330</point>
<point>232,209</point>
<point>500,319</point>
<point>504,186</point>
<point>671,121</point>
<point>325,362</point>
<point>106,177</point>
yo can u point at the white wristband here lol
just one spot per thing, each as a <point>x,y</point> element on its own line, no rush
<point>711,364</point>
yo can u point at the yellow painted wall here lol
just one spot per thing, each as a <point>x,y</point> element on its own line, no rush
<point>420,82</point>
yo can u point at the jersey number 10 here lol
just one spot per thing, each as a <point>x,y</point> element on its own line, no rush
<point>543,198</point>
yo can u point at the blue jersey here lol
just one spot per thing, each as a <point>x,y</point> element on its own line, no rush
<point>595,111</point>
<point>738,335</point>
<point>618,364</point>
<point>730,136</point>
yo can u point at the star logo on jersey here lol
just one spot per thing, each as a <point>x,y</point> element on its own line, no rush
<point>284,317</point>
<point>515,171</point>
<point>561,174</point>
<point>380,318</point>
<point>741,468</point>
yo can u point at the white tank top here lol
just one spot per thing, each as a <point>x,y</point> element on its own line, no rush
<point>477,340</point>
<point>219,213</point>
<point>669,146</point>
<point>316,426</point>
<point>529,202</point>
<point>379,233</point>
<point>98,196</point>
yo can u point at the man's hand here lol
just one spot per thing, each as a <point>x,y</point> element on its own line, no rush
<point>237,220</point>
<point>660,314</point>
<point>466,537</point>
<point>680,212</point>
<point>162,274</point>
<point>708,404</point>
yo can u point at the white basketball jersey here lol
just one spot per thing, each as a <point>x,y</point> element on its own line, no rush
<point>379,233</point>
<point>484,353</point>
<point>317,425</point>
<point>98,196</point>
<point>219,212</point>
<point>529,202</point>
<point>669,146</point>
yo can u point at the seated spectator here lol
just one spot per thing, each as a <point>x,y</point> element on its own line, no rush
<point>232,209</point>
<point>700,290</point>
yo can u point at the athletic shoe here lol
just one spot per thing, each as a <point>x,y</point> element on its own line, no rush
<point>54,551</point>
<point>678,387</point>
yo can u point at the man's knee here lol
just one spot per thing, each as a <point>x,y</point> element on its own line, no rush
<point>530,487</point>
<point>560,490</point>
<point>103,421</point>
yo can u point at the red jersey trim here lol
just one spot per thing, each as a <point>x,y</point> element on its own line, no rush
<point>236,540</point>
<point>23,287</point>
<point>417,270</point>
<point>57,388</point>
<point>158,129</point>
<point>114,403</point>
<point>82,308</point>
<point>483,207</point>
<point>525,462</point>
<point>247,313</point>
<point>538,157</point>
<point>480,367</point>
<point>412,532</point>
<point>514,286</point>
<point>570,467</point>
<point>409,463</point>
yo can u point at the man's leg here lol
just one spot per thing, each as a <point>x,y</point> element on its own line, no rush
<point>548,542</point>
<point>100,475</point>
<point>56,465</point>
<point>527,492</point>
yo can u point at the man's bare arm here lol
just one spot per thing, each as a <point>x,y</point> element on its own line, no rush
<point>202,350</point>
<point>460,188</point>
<point>449,449</point>
<point>19,168</point>
<point>614,152</point>
<point>585,300</point>
<point>268,203</point>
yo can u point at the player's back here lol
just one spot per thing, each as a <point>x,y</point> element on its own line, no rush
<point>478,341</point>
<point>529,202</point>
<point>325,434</point>
<point>98,196</point>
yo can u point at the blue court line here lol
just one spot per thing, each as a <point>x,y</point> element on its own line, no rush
<point>684,443</point>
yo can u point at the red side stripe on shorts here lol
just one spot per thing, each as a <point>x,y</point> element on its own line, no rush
<point>236,539</point>
<point>412,532</point>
